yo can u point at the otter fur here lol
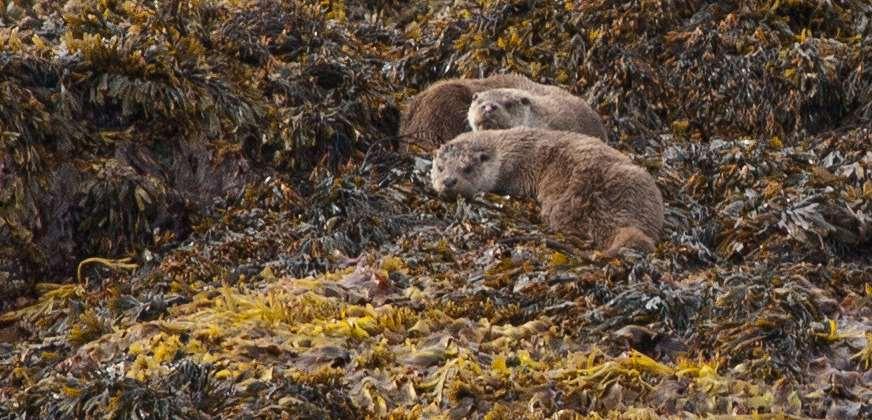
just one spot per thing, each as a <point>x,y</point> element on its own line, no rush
<point>439,113</point>
<point>583,186</point>
<point>557,110</point>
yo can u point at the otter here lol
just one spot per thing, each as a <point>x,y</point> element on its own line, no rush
<point>558,110</point>
<point>583,186</point>
<point>439,113</point>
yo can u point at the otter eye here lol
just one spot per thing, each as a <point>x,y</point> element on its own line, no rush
<point>525,101</point>
<point>483,157</point>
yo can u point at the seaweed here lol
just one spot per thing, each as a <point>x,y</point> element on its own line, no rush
<point>203,214</point>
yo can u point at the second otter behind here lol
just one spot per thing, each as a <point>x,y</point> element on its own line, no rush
<point>439,113</point>
<point>555,110</point>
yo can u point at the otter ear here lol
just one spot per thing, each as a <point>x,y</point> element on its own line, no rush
<point>483,157</point>
<point>474,96</point>
<point>525,101</point>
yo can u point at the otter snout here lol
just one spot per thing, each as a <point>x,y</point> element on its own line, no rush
<point>446,187</point>
<point>487,108</point>
<point>483,115</point>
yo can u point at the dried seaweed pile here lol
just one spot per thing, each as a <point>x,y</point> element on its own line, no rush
<point>326,280</point>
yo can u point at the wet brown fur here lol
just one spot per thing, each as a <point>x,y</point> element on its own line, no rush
<point>439,113</point>
<point>583,186</point>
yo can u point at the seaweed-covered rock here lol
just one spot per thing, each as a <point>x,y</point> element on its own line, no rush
<point>134,118</point>
<point>202,214</point>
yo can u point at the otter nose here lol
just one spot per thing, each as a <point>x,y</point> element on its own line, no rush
<point>450,182</point>
<point>488,108</point>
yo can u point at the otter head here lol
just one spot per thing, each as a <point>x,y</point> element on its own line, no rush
<point>464,168</point>
<point>499,108</point>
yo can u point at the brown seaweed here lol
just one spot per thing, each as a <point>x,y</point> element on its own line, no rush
<point>202,213</point>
